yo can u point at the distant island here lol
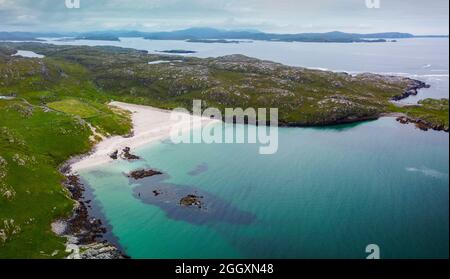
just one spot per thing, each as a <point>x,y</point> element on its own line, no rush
<point>214,41</point>
<point>204,34</point>
<point>211,35</point>
<point>101,37</point>
<point>177,51</point>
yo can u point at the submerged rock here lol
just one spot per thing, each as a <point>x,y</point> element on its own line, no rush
<point>192,200</point>
<point>156,193</point>
<point>142,173</point>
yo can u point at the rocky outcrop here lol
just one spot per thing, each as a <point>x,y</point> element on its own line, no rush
<point>142,173</point>
<point>99,251</point>
<point>84,233</point>
<point>412,90</point>
<point>422,124</point>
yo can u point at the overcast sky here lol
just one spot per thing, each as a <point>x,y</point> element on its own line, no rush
<point>280,16</point>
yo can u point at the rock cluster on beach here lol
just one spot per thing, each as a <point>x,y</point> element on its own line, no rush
<point>114,155</point>
<point>412,90</point>
<point>128,156</point>
<point>125,155</point>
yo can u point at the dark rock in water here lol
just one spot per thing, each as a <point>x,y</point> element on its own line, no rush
<point>192,200</point>
<point>142,173</point>
<point>188,203</point>
<point>156,193</point>
<point>101,251</point>
<point>114,155</point>
<point>128,156</point>
<point>422,125</point>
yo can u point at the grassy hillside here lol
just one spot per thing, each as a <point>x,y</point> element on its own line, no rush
<point>45,125</point>
<point>304,97</point>
<point>32,145</point>
<point>429,112</point>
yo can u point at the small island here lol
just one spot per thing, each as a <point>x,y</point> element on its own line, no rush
<point>98,38</point>
<point>176,51</point>
<point>213,41</point>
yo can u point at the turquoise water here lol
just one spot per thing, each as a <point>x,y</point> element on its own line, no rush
<point>326,193</point>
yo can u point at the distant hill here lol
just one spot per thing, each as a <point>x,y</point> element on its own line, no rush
<point>217,34</point>
<point>18,36</point>
<point>201,34</point>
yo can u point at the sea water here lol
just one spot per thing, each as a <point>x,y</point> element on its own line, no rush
<point>326,193</point>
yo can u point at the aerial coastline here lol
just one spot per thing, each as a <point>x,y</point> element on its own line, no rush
<point>151,124</point>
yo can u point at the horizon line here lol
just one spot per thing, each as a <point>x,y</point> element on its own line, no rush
<point>226,30</point>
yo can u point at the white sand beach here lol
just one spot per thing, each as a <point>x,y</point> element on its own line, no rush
<point>149,125</point>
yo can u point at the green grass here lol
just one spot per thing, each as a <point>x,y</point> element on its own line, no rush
<point>34,142</point>
<point>74,107</point>
<point>43,140</point>
<point>430,110</point>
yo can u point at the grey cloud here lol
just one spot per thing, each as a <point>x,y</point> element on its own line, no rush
<point>415,16</point>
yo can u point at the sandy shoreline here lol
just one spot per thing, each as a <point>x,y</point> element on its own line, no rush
<point>149,125</point>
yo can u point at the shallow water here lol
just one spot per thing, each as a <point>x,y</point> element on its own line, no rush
<point>326,193</point>
<point>28,54</point>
